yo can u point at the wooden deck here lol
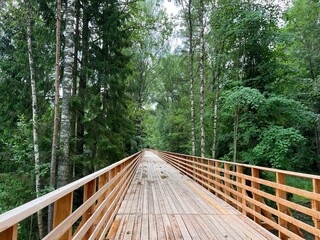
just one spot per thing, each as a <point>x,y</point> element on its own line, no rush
<point>162,203</point>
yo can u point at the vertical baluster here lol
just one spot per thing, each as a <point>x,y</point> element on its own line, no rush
<point>88,191</point>
<point>281,179</point>
<point>217,180</point>
<point>316,204</point>
<point>10,233</point>
<point>240,189</point>
<point>62,209</point>
<point>227,185</point>
<point>256,186</point>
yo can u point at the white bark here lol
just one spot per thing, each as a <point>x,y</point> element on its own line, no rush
<point>34,116</point>
<point>65,129</point>
<point>215,123</point>
<point>201,73</point>
<point>191,57</point>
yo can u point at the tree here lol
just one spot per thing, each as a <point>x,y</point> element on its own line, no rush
<point>34,114</point>
<point>55,135</point>
<point>65,129</point>
<point>201,73</point>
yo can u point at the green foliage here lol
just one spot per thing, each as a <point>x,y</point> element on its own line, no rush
<point>278,146</point>
<point>16,177</point>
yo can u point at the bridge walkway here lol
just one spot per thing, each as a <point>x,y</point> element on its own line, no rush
<point>162,203</point>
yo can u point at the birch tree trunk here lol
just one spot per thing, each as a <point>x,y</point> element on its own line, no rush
<point>215,123</point>
<point>191,58</point>
<point>65,129</point>
<point>54,147</point>
<point>201,73</point>
<point>34,115</point>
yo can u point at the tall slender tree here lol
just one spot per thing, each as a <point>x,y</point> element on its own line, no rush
<point>201,73</point>
<point>191,78</point>
<point>65,129</point>
<point>55,135</point>
<point>34,113</point>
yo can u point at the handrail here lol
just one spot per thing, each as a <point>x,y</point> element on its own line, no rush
<point>101,190</point>
<point>241,186</point>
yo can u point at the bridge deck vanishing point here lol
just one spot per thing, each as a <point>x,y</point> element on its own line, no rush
<point>162,203</point>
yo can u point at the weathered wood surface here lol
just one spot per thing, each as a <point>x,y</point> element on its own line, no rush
<point>162,203</point>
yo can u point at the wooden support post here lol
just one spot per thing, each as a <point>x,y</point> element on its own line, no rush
<point>256,186</point>
<point>227,185</point>
<point>10,233</point>
<point>88,191</point>
<point>239,189</point>
<point>193,169</point>
<point>316,205</point>
<point>211,177</point>
<point>103,179</point>
<point>62,209</point>
<point>217,180</point>
<point>281,179</point>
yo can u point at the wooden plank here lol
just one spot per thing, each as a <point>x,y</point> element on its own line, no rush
<point>122,227</point>
<point>213,228</point>
<point>223,228</point>
<point>145,227</point>
<point>191,229</point>
<point>202,233</point>
<point>152,227</point>
<point>128,232</point>
<point>114,228</point>
<point>137,228</point>
<point>184,231</point>
<point>167,227</point>
<point>161,233</point>
<point>205,227</point>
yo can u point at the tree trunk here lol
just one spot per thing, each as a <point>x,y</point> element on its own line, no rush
<point>34,116</point>
<point>75,75</point>
<point>191,57</point>
<point>201,71</point>
<point>83,81</point>
<point>55,134</point>
<point>215,123</point>
<point>235,134</point>
<point>65,129</point>
<point>317,135</point>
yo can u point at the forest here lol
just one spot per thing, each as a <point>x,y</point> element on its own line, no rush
<point>85,83</point>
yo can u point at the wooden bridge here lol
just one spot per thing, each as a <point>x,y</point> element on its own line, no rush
<point>161,195</point>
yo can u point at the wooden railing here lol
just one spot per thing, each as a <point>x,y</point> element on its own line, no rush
<point>263,194</point>
<point>103,192</point>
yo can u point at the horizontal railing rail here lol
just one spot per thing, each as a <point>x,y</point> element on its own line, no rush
<point>103,192</point>
<point>263,194</point>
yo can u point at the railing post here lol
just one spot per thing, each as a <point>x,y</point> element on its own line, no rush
<point>281,179</point>
<point>10,234</point>
<point>62,209</point>
<point>316,205</point>
<point>217,173</point>
<point>226,183</point>
<point>240,189</point>
<point>211,177</point>
<point>256,186</point>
